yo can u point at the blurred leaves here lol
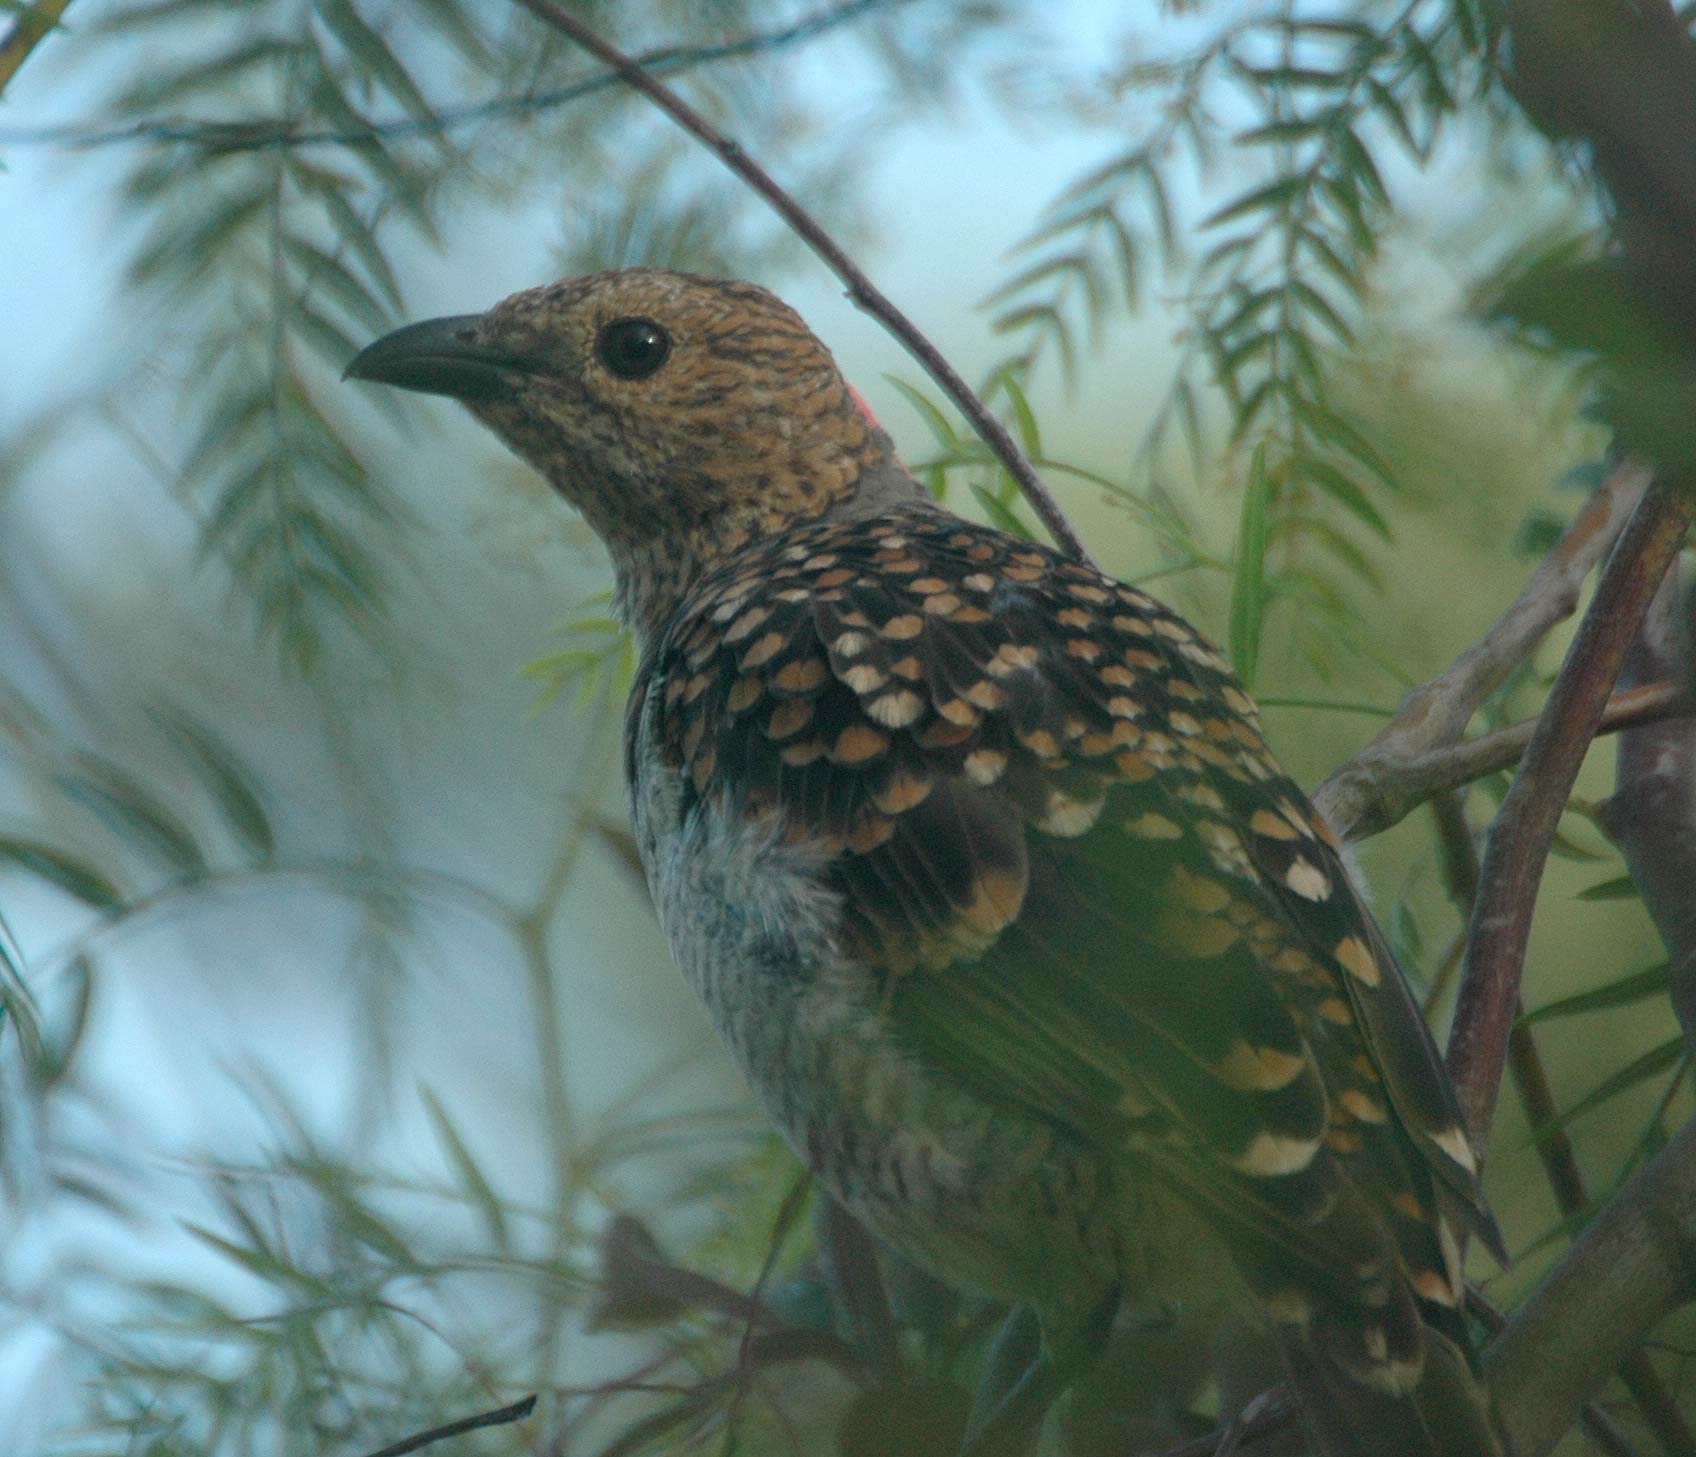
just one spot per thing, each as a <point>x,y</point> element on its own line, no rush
<point>597,663</point>
<point>1248,581</point>
<point>1271,282</point>
<point>366,1331</point>
<point>269,239</point>
<point>275,255</point>
<point>284,161</point>
<point>1637,987</point>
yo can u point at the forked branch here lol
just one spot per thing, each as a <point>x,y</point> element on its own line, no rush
<point>1419,752</point>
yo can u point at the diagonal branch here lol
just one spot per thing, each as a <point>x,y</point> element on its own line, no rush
<point>1395,772</point>
<point>1651,815</point>
<point>1633,1265</point>
<point>1525,828</point>
<point>1637,1372</point>
<point>33,25</point>
<point>864,293</point>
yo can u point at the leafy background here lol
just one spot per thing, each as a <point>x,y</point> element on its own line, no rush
<point>337,1029</point>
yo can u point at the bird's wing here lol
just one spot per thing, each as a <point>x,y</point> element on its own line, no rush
<point>1086,885</point>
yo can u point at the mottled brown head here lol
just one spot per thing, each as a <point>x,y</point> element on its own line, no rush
<point>684,416</point>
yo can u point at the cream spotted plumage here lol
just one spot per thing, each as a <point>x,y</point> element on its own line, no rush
<point>981,863</point>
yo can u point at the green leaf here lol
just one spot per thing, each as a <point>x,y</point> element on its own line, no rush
<point>1160,204</point>
<point>1657,1060</point>
<point>352,231</point>
<point>134,813</point>
<point>1390,108</point>
<point>1359,162</point>
<point>1257,199</point>
<point>179,250</point>
<point>1024,418</point>
<point>324,270</point>
<point>1246,410</point>
<point>999,513</point>
<point>1316,302</point>
<point>1334,430</point>
<point>1125,251</point>
<point>1344,491</point>
<point>1047,320</point>
<point>1638,987</point>
<point>1566,847</point>
<point>261,1262</point>
<point>332,343</point>
<point>369,50</point>
<point>935,420</point>
<point>1620,888</point>
<point>73,876</point>
<point>1339,545</point>
<point>233,785</point>
<point>1041,271</point>
<point>231,422</point>
<point>1248,576</point>
<point>655,1431</point>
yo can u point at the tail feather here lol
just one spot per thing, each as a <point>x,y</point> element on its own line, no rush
<point>1444,1412</point>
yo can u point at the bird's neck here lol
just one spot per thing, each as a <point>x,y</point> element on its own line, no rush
<point>656,570</point>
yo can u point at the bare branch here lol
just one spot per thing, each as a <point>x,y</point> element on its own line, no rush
<point>861,290</point>
<point>514,1413</point>
<point>1637,1372</point>
<point>1399,769</point>
<point>1633,1265</point>
<point>27,32</point>
<point>1652,812</point>
<point>1525,828</point>
<point>1401,786</point>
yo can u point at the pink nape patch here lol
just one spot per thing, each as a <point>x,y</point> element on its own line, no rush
<point>865,409</point>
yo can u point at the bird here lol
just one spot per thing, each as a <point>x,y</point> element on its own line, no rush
<point>983,869</point>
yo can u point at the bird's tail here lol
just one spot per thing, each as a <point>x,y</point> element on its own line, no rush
<point>1443,1412</point>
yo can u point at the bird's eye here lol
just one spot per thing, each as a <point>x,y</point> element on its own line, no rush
<point>633,348</point>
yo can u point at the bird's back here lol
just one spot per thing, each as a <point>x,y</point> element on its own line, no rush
<point>1056,874</point>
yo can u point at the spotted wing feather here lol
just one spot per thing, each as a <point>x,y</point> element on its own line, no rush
<point>1087,887</point>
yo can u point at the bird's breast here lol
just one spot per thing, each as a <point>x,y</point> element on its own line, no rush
<point>985,1197</point>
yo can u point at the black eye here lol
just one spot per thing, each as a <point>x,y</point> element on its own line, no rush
<point>633,348</point>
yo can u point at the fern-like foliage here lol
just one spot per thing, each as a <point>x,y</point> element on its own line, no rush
<point>1273,281</point>
<point>269,257</point>
<point>283,151</point>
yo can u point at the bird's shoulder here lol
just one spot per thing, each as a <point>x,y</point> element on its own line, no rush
<point>916,637</point>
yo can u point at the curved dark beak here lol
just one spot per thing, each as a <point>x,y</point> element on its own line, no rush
<point>442,357</point>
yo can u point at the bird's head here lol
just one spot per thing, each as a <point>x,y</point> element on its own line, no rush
<point>686,417</point>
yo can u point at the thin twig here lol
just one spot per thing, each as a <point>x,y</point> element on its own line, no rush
<point>1525,828</point>
<point>514,1413</point>
<point>30,29</point>
<point>253,136</point>
<point>1369,793</point>
<point>864,294</point>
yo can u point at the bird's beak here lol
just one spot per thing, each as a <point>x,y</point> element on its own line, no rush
<point>443,357</point>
